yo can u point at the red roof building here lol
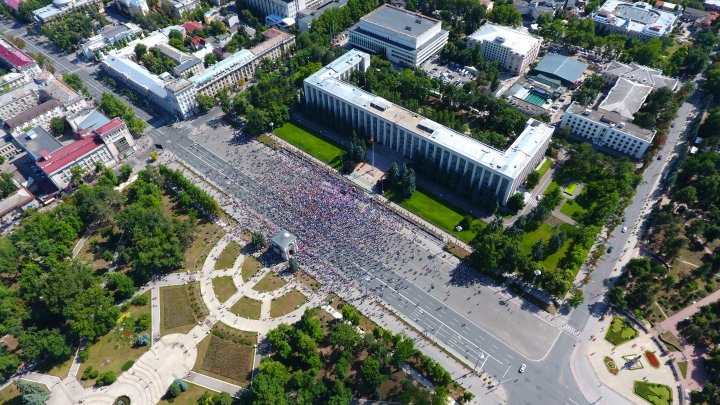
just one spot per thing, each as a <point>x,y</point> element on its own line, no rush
<point>105,129</point>
<point>13,56</point>
<point>191,26</point>
<point>198,41</point>
<point>69,154</point>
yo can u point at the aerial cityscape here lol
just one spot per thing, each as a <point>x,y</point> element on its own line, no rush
<point>276,202</point>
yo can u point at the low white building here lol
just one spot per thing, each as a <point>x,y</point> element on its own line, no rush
<point>18,100</point>
<point>404,37</point>
<point>133,7</point>
<point>492,173</point>
<point>514,50</point>
<point>109,35</point>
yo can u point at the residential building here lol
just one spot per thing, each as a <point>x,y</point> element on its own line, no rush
<point>12,206</point>
<point>636,20</point>
<point>608,130</point>
<point>16,60</point>
<point>191,26</point>
<point>133,7</point>
<point>404,37</point>
<point>181,7</point>
<point>18,100</point>
<point>186,65</point>
<point>8,149</point>
<point>637,73</point>
<point>276,44</point>
<point>712,5</point>
<point>59,8</point>
<point>514,50</point>
<point>491,173</point>
<point>13,80</point>
<point>109,35</point>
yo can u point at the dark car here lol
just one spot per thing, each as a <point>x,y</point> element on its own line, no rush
<point>610,249</point>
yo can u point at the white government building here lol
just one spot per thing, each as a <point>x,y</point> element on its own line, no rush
<point>495,172</point>
<point>405,37</point>
<point>514,50</point>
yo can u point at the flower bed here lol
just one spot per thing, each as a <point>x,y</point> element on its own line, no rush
<point>611,366</point>
<point>652,359</point>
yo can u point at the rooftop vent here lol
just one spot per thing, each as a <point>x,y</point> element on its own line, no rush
<point>407,28</point>
<point>586,112</point>
<point>418,21</point>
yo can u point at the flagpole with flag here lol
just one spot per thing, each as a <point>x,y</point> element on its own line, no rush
<point>372,144</point>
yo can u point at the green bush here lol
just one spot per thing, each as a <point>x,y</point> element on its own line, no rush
<point>106,378</point>
<point>128,364</point>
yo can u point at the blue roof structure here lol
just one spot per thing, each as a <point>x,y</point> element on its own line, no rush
<point>565,68</point>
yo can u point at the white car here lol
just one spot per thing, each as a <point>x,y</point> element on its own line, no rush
<point>522,368</point>
<point>624,229</point>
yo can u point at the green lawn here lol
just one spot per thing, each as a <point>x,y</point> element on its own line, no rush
<point>544,167</point>
<point>224,288</point>
<point>228,255</point>
<point>570,189</point>
<point>656,394</point>
<point>189,397</point>
<point>247,308</point>
<point>682,365</point>
<point>572,209</point>
<point>250,266</point>
<point>437,212</point>
<point>269,283</point>
<point>551,187</point>
<point>544,232</point>
<point>312,144</point>
<point>620,332</point>
<point>287,303</point>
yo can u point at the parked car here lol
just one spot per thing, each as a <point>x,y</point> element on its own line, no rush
<point>522,368</point>
<point>624,229</point>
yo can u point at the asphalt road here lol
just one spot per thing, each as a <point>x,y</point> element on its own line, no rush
<point>548,380</point>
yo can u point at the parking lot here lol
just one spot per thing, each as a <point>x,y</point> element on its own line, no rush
<point>449,73</point>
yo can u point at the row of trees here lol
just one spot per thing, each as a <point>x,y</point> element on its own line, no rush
<point>317,363</point>
<point>115,107</point>
<point>402,182</point>
<point>69,31</point>
<point>191,198</point>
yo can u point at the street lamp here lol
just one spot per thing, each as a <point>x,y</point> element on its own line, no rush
<point>367,280</point>
<point>536,273</point>
<point>271,126</point>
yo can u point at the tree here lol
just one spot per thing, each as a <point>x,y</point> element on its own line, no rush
<point>210,59</point>
<point>516,203</point>
<point>292,265</point>
<point>9,363</point>
<point>576,299</point>
<point>393,175</point>
<point>74,81</point>
<point>57,125</point>
<point>154,156</point>
<point>505,14</point>
<point>173,391</point>
<point>538,251</point>
<point>371,374</point>
<point>32,393</point>
<point>125,172</point>
<point>92,313</point>
<point>258,240</point>
<point>532,180</point>
<point>44,346</point>
<point>7,185</point>
<point>123,286</point>
<point>140,51</point>
<point>269,383</point>
<point>106,378</point>
<point>350,314</point>
<point>617,298</point>
<point>408,181</point>
<point>205,103</point>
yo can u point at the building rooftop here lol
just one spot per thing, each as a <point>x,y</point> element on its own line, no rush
<point>38,142</point>
<point>17,94</point>
<point>641,74</point>
<point>28,115</point>
<point>401,21</point>
<point>283,238</point>
<point>91,120</point>
<point>191,26</point>
<point>626,98</point>
<point>518,41</point>
<point>17,199</point>
<point>13,56</point>
<point>241,57</point>
<point>136,74</point>
<point>109,126</point>
<point>52,162</point>
<point>174,54</point>
<point>273,37</point>
<point>639,17</point>
<point>510,162</point>
<point>564,67</point>
<point>612,119</point>
<point>187,65</point>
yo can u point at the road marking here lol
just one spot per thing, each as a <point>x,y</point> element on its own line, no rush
<point>571,330</point>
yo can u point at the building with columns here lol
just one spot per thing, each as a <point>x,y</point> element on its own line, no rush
<point>492,172</point>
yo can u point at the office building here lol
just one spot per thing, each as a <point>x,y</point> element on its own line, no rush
<point>490,172</point>
<point>59,8</point>
<point>636,20</point>
<point>514,50</point>
<point>404,37</point>
<point>607,129</point>
<point>181,7</point>
<point>279,8</point>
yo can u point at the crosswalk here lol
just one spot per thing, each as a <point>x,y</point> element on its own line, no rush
<point>571,329</point>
